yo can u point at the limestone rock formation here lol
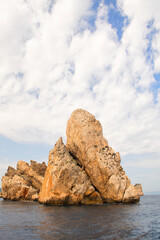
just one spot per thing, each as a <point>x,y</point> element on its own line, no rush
<point>86,143</point>
<point>85,171</point>
<point>65,182</point>
<point>23,183</point>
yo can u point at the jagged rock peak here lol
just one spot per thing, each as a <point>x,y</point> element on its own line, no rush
<point>86,143</point>
<point>65,182</point>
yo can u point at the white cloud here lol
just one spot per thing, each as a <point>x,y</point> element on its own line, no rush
<point>52,63</point>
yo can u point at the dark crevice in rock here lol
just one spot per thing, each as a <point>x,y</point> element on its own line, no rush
<point>76,160</point>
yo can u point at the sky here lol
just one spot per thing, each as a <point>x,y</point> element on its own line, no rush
<point>101,56</point>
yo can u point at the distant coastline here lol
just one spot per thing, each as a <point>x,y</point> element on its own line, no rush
<point>150,193</point>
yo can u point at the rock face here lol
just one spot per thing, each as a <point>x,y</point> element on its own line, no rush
<point>86,143</point>
<point>23,183</point>
<point>65,182</point>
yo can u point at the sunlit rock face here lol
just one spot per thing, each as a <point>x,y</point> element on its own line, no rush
<point>65,182</point>
<point>23,183</point>
<point>86,143</point>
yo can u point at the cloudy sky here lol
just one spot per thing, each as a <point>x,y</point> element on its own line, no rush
<point>102,56</point>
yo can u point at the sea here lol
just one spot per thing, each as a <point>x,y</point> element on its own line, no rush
<point>31,220</point>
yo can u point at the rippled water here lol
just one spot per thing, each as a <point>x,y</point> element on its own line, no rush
<point>27,220</point>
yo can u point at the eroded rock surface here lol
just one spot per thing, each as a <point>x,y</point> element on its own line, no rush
<point>86,143</point>
<point>23,183</point>
<point>65,182</point>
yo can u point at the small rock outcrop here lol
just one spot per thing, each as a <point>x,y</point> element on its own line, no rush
<point>86,143</point>
<point>139,189</point>
<point>65,182</point>
<point>23,183</point>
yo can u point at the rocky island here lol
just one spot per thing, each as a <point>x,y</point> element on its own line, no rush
<point>85,171</point>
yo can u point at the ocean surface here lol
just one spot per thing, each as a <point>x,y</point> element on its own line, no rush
<point>30,220</point>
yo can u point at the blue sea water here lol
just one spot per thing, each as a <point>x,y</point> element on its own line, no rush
<point>30,220</point>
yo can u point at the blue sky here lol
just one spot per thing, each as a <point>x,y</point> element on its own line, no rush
<point>102,56</point>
